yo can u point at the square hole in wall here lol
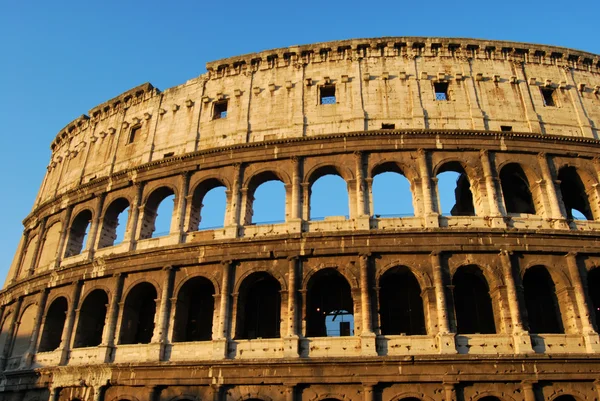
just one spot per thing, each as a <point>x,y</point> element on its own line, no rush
<point>388,126</point>
<point>506,128</point>
<point>220,110</point>
<point>441,91</point>
<point>548,96</point>
<point>327,94</point>
<point>135,132</point>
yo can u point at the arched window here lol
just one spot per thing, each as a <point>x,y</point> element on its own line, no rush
<point>329,305</point>
<point>516,190</point>
<point>593,285</point>
<point>209,203</point>
<point>158,213</point>
<point>25,267</point>
<point>266,199</point>
<point>194,313</point>
<point>49,247</point>
<point>114,223</point>
<point>4,329</point>
<point>138,315</point>
<point>54,325</point>
<point>328,195</point>
<point>392,195</point>
<point>454,191</point>
<point>78,233</point>
<point>259,305</point>
<point>92,316</point>
<point>472,302</point>
<point>543,311</point>
<point>24,331</point>
<point>565,397</point>
<point>574,195</point>
<point>400,303</point>
<point>489,398</point>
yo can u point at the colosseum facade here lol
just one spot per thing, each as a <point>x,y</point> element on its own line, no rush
<point>497,301</point>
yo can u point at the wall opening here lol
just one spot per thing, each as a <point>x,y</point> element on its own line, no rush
<point>329,305</point>
<point>328,195</point>
<point>574,195</point>
<point>548,96</point>
<point>134,133</point>
<point>441,91</point>
<point>266,200</point>
<point>454,191</point>
<point>24,331</point>
<point>543,311</point>
<point>158,213</point>
<point>472,302</point>
<point>49,247</point>
<point>92,316</point>
<point>194,313</point>
<point>114,223</point>
<point>220,110</point>
<point>138,315</point>
<point>391,190</point>
<point>78,233</point>
<point>593,285</point>
<point>327,94</point>
<point>209,203</point>
<point>259,305</point>
<point>400,303</point>
<point>516,190</point>
<point>54,325</point>
<point>506,128</point>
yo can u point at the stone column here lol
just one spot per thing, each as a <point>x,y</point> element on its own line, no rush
<point>234,205</point>
<point>68,338</point>
<point>17,265</point>
<point>27,359</point>
<point>62,241</point>
<point>368,391</point>
<point>11,334</point>
<point>528,393</point>
<point>220,344</point>
<point>491,189</point>
<point>450,391</point>
<point>131,234</point>
<point>430,216</point>
<point>305,201</point>
<point>290,392</point>
<point>291,341</point>
<point>162,318</point>
<point>362,215</point>
<point>98,390</point>
<point>178,219</point>
<point>296,211</point>
<point>216,392</point>
<point>445,338</point>
<point>550,187</point>
<point>367,337</point>
<point>112,317</point>
<point>592,341</point>
<point>95,226</point>
<point>38,245</point>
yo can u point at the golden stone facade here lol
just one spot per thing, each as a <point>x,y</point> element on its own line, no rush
<point>499,300</point>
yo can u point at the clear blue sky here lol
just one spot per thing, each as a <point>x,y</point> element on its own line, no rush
<point>61,58</point>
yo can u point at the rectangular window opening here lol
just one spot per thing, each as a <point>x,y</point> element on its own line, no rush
<point>548,95</point>
<point>220,110</point>
<point>388,126</point>
<point>506,128</point>
<point>441,90</point>
<point>327,94</point>
<point>134,133</point>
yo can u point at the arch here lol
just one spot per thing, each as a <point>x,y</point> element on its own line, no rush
<point>543,310</point>
<point>138,314</point>
<point>565,397</point>
<point>116,215</point>
<point>197,210</point>
<point>328,168</point>
<point>49,247</point>
<point>400,303</point>
<point>78,233</point>
<point>257,184</point>
<point>5,328</point>
<point>451,176</point>
<point>259,307</point>
<point>194,311</point>
<point>154,202</point>
<point>489,398</point>
<point>574,195</point>
<point>516,189</point>
<point>27,262</point>
<point>329,297</point>
<point>24,331</point>
<point>391,175</point>
<point>472,302</point>
<point>92,317</point>
<point>593,282</point>
<point>337,186</point>
<point>56,316</point>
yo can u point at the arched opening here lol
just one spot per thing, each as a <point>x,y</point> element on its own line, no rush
<point>400,303</point>
<point>543,312</point>
<point>329,305</point>
<point>24,331</point>
<point>25,267</point>
<point>54,325</point>
<point>593,285</point>
<point>328,194</point>
<point>266,199</point>
<point>410,399</point>
<point>4,329</point>
<point>209,203</point>
<point>259,305</point>
<point>92,316</point>
<point>516,190</point>
<point>472,302</point>
<point>49,247</point>
<point>158,213</point>
<point>392,195</point>
<point>574,195</point>
<point>565,397</point>
<point>114,223</point>
<point>489,398</point>
<point>138,315</point>
<point>194,313</point>
<point>78,233</point>
<point>454,191</point>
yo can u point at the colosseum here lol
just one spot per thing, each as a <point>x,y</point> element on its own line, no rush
<point>498,300</point>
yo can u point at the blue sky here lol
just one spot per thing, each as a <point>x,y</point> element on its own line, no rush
<point>61,58</point>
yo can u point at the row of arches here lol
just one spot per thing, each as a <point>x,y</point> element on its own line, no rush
<point>391,193</point>
<point>329,307</point>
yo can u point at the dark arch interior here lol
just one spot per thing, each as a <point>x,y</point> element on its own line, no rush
<point>328,295</point>
<point>259,305</point>
<point>92,316</point>
<point>78,233</point>
<point>194,313</point>
<point>593,284</point>
<point>489,398</point>
<point>138,315</point>
<point>462,192</point>
<point>565,397</point>
<point>543,312</point>
<point>54,325</point>
<point>401,305</point>
<point>472,302</point>
<point>516,191</point>
<point>112,219</point>
<point>151,210</point>
<point>573,193</point>
<point>198,208</point>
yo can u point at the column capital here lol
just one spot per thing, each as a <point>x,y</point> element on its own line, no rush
<point>227,262</point>
<point>571,254</point>
<point>293,257</point>
<point>365,255</point>
<point>505,252</point>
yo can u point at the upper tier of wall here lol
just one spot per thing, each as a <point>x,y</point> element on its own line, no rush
<point>275,94</point>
